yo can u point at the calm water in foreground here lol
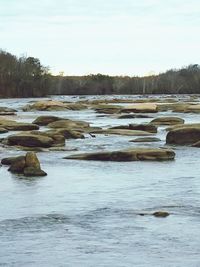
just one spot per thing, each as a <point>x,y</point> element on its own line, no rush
<point>86,213</point>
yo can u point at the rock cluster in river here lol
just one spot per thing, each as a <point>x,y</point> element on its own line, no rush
<point>27,165</point>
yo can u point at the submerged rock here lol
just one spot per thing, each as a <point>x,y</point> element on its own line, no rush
<point>133,154</point>
<point>133,116</point>
<point>161,214</point>
<point>125,132</point>
<point>145,139</point>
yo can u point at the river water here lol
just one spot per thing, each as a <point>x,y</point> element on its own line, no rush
<point>86,213</point>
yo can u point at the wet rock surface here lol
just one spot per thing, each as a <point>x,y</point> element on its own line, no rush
<point>27,165</point>
<point>135,154</point>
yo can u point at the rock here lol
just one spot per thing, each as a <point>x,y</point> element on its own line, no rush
<point>7,110</point>
<point>133,154</point>
<point>69,134</point>
<point>141,127</point>
<point>161,214</point>
<point>68,124</point>
<point>145,139</point>
<point>122,132</point>
<point>3,130</point>
<point>7,113</point>
<point>45,120</point>
<point>30,140</point>
<point>17,126</point>
<point>18,165</point>
<point>167,121</point>
<point>107,109</point>
<point>197,144</point>
<point>53,105</point>
<point>179,126</point>
<point>192,108</point>
<point>28,165</point>
<point>46,105</point>
<point>32,160</point>
<point>31,172</point>
<point>140,108</point>
<point>133,116</point>
<point>183,136</point>
<point>75,106</point>
<point>11,160</point>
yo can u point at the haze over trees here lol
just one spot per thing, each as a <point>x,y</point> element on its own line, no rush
<point>27,77</point>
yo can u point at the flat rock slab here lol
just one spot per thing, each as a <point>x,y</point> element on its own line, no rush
<point>134,154</point>
<point>140,108</point>
<point>167,121</point>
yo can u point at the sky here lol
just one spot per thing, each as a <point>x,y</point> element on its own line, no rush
<point>115,37</point>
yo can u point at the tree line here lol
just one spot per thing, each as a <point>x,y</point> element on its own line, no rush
<point>27,77</point>
<point>23,76</point>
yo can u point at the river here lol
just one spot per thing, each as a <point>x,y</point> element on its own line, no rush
<point>85,213</point>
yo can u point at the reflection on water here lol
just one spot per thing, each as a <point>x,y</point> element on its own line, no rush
<point>87,213</point>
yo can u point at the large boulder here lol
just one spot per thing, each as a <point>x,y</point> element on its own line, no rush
<point>28,165</point>
<point>29,140</point>
<point>183,136</point>
<point>133,154</point>
<point>167,121</point>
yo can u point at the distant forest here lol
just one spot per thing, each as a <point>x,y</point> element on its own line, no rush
<point>27,77</point>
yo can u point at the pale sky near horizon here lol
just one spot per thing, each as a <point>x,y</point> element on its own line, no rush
<point>115,37</point>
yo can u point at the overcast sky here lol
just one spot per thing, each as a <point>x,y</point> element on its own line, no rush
<point>116,37</point>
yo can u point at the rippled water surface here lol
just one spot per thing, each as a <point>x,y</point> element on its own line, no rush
<point>87,213</point>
